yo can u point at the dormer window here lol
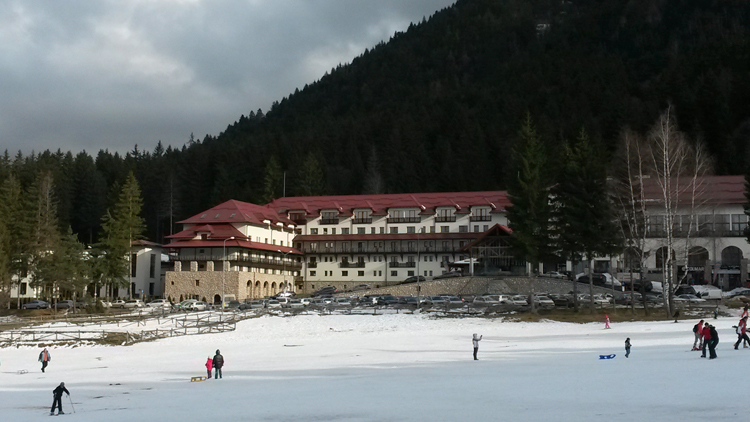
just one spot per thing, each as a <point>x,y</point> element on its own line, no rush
<point>217,215</point>
<point>203,216</point>
<point>328,217</point>
<point>233,214</point>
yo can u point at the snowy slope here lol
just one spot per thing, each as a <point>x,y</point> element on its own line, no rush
<point>389,368</point>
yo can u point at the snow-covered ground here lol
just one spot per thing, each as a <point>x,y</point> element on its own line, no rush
<point>390,368</point>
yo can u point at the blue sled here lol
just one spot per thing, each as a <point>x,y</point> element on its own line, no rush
<point>607,356</point>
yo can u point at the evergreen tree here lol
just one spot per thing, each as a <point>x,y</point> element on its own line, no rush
<point>586,224</point>
<point>529,216</point>
<point>310,179</point>
<point>121,226</point>
<point>272,181</point>
<point>45,234</point>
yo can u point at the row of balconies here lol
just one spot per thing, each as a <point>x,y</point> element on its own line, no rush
<point>656,233</point>
<point>361,264</point>
<point>398,220</point>
<point>405,249</point>
<point>270,262</point>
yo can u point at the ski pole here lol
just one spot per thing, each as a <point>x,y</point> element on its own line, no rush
<point>71,404</point>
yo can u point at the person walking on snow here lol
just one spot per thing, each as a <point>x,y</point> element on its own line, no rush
<point>698,330</point>
<point>475,341</point>
<point>218,362</point>
<point>706,338</point>
<point>713,343</point>
<point>744,313</point>
<point>741,332</point>
<point>606,321</point>
<point>209,367</point>
<point>627,347</point>
<point>57,399</point>
<point>44,357</point>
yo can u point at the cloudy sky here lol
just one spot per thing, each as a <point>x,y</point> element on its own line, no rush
<point>89,75</point>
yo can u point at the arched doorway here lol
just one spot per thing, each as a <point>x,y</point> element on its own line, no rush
<point>249,289</point>
<point>697,256</point>
<point>258,292</point>
<point>731,257</point>
<point>265,289</point>
<point>661,256</point>
<point>217,299</point>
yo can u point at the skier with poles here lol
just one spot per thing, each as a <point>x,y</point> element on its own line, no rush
<point>57,399</point>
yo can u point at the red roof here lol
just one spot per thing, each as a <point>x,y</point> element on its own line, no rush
<point>710,190</point>
<point>379,204</point>
<point>216,232</point>
<point>236,243</point>
<point>496,230</point>
<point>384,236</point>
<point>234,211</point>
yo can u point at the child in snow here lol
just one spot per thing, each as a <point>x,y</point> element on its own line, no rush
<point>209,367</point>
<point>627,347</point>
<point>698,331</point>
<point>475,341</point>
<point>57,399</point>
<point>741,332</point>
<point>606,321</point>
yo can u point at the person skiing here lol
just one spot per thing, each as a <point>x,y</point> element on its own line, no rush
<point>741,332</point>
<point>475,341</point>
<point>714,342</point>
<point>218,362</point>
<point>706,338</point>
<point>698,330</point>
<point>44,357</point>
<point>627,347</point>
<point>209,366</point>
<point>57,399</point>
<point>606,321</point>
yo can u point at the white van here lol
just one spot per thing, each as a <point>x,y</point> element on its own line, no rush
<point>707,291</point>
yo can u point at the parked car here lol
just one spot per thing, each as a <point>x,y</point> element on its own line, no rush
<point>35,304</point>
<point>273,304</point>
<point>555,274</point>
<point>599,279</point>
<point>198,305</point>
<point>305,301</point>
<point>689,299</point>
<point>160,303</point>
<point>63,304</point>
<point>407,300</point>
<point>359,287</point>
<point>185,303</point>
<point>562,301</point>
<point>454,301</point>
<point>521,300</point>
<point>284,301</point>
<point>629,297</point>
<point>484,301</point>
<point>296,304</point>
<point>134,303</point>
<point>387,300</point>
<point>414,279</point>
<point>343,302</point>
<point>253,304</point>
<point>544,301</point>
<point>740,291</point>
<point>119,303</point>
<point>435,300</point>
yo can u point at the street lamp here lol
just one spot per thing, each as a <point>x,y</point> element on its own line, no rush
<point>224,271</point>
<point>284,259</point>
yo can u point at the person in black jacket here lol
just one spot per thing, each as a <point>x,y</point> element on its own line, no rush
<point>218,363</point>
<point>57,398</point>
<point>714,342</point>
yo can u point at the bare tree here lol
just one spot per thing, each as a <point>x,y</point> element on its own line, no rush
<point>665,190</point>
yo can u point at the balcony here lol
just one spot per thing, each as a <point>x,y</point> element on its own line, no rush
<point>347,264</point>
<point>445,219</point>
<point>329,221</point>
<point>366,220</point>
<point>268,262</point>
<point>392,220</point>
<point>312,264</point>
<point>409,264</point>
<point>480,218</point>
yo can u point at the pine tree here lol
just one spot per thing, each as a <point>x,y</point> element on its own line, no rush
<point>310,180</point>
<point>271,180</point>
<point>45,235</point>
<point>121,227</point>
<point>586,224</point>
<point>529,216</point>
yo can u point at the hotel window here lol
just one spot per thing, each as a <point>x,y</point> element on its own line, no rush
<point>325,230</point>
<point>312,273</point>
<point>394,273</point>
<point>344,273</point>
<point>739,224</point>
<point>372,230</point>
<point>463,229</point>
<point>360,273</point>
<point>382,230</point>
<point>374,273</point>
<point>360,230</point>
<point>411,229</point>
<point>345,230</point>
<point>313,231</point>
<point>444,229</point>
<point>394,230</point>
<point>333,230</point>
<point>476,228</point>
<point>432,229</point>
<point>486,227</point>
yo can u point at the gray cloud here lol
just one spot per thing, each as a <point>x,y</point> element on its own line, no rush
<point>111,74</point>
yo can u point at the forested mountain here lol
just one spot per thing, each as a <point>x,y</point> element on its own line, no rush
<point>439,106</point>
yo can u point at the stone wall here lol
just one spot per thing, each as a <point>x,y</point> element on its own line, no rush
<point>482,285</point>
<point>243,285</point>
